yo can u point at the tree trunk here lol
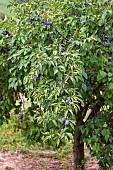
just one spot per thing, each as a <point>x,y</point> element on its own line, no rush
<point>78,151</point>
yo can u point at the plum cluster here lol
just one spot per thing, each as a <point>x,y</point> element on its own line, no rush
<point>37,18</point>
<point>64,120</point>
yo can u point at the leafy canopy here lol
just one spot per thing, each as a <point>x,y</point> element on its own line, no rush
<point>60,57</point>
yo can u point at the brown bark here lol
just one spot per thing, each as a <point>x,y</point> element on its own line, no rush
<point>78,146</point>
<point>78,151</point>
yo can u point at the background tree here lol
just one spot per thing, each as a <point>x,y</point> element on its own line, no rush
<point>61,58</point>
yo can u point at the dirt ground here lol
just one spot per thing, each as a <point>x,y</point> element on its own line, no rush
<point>18,161</point>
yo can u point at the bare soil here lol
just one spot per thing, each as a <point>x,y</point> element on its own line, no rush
<point>18,161</point>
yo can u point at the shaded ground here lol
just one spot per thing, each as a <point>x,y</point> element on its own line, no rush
<point>17,161</point>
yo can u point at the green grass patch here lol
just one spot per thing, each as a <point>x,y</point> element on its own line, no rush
<point>13,141</point>
<point>10,140</point>
<point>4,10</point>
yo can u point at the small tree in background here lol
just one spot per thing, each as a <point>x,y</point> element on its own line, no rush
<point>60,57</point>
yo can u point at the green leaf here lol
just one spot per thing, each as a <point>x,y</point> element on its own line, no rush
<point>104,132</point>
<point>84,87</point>
<point>55,70</point>
<point>62,68</point>
<point>105,125</point>
<point>110,74</point>
<point>110,86</point>
<point>85,75</point>
<point>60,75</point>
<point>31,86</point>
<point>103,74</point>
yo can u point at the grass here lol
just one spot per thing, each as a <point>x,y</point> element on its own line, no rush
<point>42,157</point>
<point>10,140</point>
<point>14,141</point>
<point>3,8</point>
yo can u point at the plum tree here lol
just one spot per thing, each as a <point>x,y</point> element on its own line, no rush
<point>61,57</point>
